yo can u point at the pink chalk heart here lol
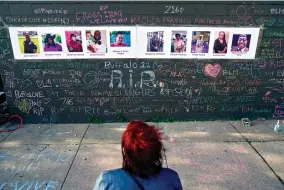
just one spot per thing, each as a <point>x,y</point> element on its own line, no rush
<point>212,71</point>
<point>267,93</point>
<point>196,90</point>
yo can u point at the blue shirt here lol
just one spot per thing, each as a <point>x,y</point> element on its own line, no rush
<point>118,179</point>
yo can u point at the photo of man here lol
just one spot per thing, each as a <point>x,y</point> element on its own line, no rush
<point>120,39</point>
<point>178,41</point>
<point>52,42</point>
<point>74,41</point>
<point>200,42</point>
<point>28,42</point>
<point>155,41</point>
<point>241,43</point>
<point>96,41</point>
<point>220,44</point>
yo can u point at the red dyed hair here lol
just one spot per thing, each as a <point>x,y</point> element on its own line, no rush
<point>142,149</point>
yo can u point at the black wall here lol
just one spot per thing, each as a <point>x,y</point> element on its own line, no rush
<point>44,91</point>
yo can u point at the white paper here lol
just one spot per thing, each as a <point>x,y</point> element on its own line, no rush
<point>25,42</point>
<point>200,42</point>
<point>95,43</point>
<point>133,42</point>
<point>122,42</point>
<point>220,42</point>
<point>243,43</point>
<point>51,43</point>
<point>179,47</point>
<point>153,42</point>
<point>74,42</point>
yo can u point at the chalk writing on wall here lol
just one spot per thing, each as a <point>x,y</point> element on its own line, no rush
<point>50,11</point>
<point>173,9</point>
<point>74,90</point>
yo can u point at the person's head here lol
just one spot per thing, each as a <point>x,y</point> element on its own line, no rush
<point>177,36</point>
<point>155,34</point>
<point>242,41</point>
<point>73,37</point>
<point>49,39</point>
<point>97,35</point>
<point>142,149</point>
<point>27,37</point>
<point>222,35</point>
<point>200,37</point>
<point>88,35</point>
<point>119,37</point>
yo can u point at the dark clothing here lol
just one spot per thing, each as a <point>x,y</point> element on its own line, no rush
<point>154,44</point>
<point>74,46</point>
<point>118,179</point>
<point>218,46</point>
<point>29,47</point>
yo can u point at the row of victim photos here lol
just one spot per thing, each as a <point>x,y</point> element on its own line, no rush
<point>134,42</point>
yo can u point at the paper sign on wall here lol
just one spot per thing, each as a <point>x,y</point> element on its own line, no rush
<point>73,42</point>
<point>134,42</point>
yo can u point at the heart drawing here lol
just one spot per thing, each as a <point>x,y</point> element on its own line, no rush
<point>212,71</point>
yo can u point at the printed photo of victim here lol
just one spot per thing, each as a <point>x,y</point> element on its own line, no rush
<point>178,41</point>
<point>120,39</point>
<point>155,41</point>
<point>96,41</point>
<point>200,42</point>
<point>241,43</point>
<point>221,42</point>
<point>51,42</point>
<point>28,42</point>
<point>74,41</point>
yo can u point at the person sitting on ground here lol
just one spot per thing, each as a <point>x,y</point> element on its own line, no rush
<point>141,146</point>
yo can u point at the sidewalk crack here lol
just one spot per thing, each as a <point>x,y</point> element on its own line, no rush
<point>263,159</point>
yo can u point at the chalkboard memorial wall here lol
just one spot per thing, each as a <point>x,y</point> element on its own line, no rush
<point>116,90</point>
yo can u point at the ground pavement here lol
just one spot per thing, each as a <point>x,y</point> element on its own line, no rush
<point>207,155</point>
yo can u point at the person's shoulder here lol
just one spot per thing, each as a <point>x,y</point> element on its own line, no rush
<point>169,171</point>
<point>113,172</point>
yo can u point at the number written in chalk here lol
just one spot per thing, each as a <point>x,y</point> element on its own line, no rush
<point>173,10</point>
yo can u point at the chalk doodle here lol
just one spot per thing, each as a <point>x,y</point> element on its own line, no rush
<point>10,81</point>
<point>212,71</point>
<point>4,48</point>
<point>267,93</point>
<point>279,89</point>
<point>26,105</point>
<point>30,184</point>
<point>92,79</point>
<point>6,64</point>
<point>268,22</point>
<point>3,27</point>
<point>277,43</point>
<point>245,13</point>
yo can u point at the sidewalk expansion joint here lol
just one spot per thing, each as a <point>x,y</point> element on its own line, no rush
<point>6,137</point>
<point>74,157</point>
<point>263,159</point>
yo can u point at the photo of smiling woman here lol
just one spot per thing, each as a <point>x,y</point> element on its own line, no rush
<point>220,44</point>
<point>120,39</point>
<point>52,42</point>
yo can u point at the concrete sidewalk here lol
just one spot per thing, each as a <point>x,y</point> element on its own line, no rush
<point>207,155</point>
